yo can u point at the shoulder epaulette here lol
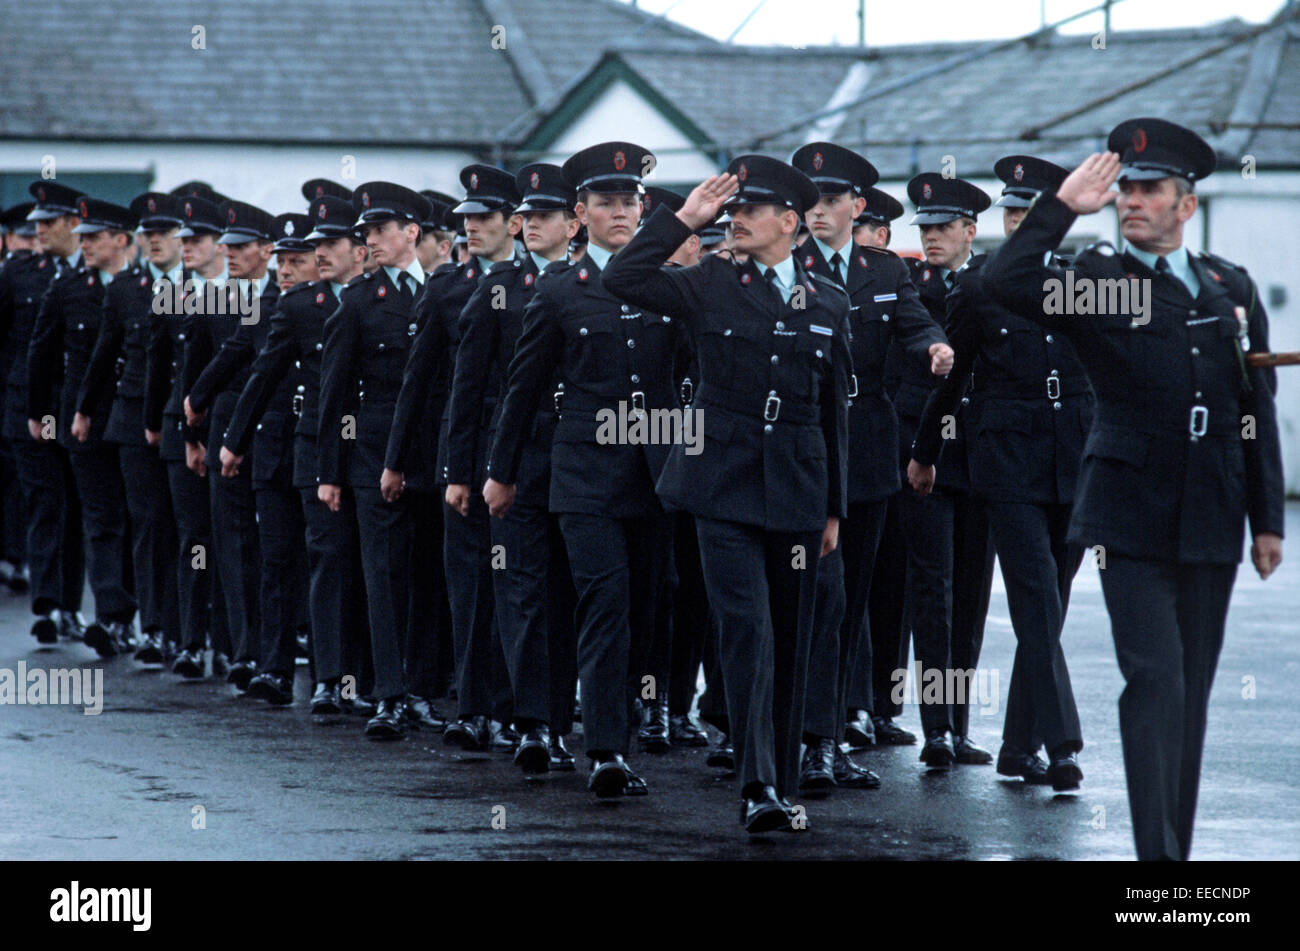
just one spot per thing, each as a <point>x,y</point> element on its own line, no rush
<point>1224,263</point>
<point>1104,248</point>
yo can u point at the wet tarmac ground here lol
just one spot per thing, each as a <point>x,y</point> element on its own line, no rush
<point>177,770</point>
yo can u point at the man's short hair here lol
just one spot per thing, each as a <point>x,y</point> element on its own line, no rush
<point>1183,186</point>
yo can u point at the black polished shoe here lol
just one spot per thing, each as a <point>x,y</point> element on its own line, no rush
<point>889,733</point>
<point>70,626</point>
<point>123,635</point>
<point>1064,772</point>
<point>389,721</point>
<point>46,631</point>
<point>189,663</point>
<point>684,731</point>
<point>241,673</point>
<point>761,811</point>
<point>420,713</point>
<point>471,734</point>
<point>968,754</point>
<point>150,650</point>
<point>722,756</point>
<point>653,735</point>
<point>817,771</point>
<point>852,776</point>
<point>937,752</point>
<point>358,706</point>
<point>561,759</point>
<point>859,731</point>
<point>609,776</point>
<point>534,753</point>
<point>275,689</point>
<point>220,665</point>
<point>504,737</point>
<point>636,786</point>
<point>19,581</point>
<point>103,639</point>
<point>325,700</point>
<point>1029,766</point>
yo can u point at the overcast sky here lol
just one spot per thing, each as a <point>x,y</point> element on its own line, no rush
<point>800,22</point>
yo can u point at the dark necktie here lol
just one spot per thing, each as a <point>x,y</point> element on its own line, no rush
<point>1162,266</point>
<point>405,283</point>
<point>770,275</point>
<point>836,263</point>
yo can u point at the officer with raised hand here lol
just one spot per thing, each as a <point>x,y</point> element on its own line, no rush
<point>770,486</point>
<point>1183,450</point>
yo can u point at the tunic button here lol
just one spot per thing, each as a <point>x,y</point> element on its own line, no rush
<point>1198,394</point>
<point>636,378</point>
<point>1053,373</point>
<point>1056,405</point>
<point>582,332</point>
<point>819,353</point>
<point>1049,338</point>
<point>381,345</point>
<point>410,328</point>
<point>1003,331</point>
<point>180,336</point>
<point>259,427</point>
<point>1192,312</point>
<point>780,325</point>
<point>667,319</point>
<point>319,346</point>
<point>297,364</point>
<point>1196,351</point>
<point>625,308</point>
<point>302,388</point>
<point>775,359</point>
<point>885,318</point>
<point>767,428</point>
<point>631,344</point>
<point>81,326</point>
<point>727,332</point>
<point>965,401</point>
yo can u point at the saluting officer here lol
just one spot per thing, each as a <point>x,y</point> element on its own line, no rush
<point>54,535</point>
<point>534,595</point>
<point>201,605</point>
<point>1030,409</point>
<point>883,308</point>
<point>616,364</point>
<point>949,551</point>
<point>60,350</point>
<point>219,353</point>
<point>367,340</point>
<point>1184,446</point>
<point>770,487</point>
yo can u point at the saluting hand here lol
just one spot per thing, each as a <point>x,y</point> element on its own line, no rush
<point>706,200</point>
<point>1086,190</point>
<point>941,359</point>
<point>1266,553</point>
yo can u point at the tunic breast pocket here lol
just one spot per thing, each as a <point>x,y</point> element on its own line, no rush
<point>1145,350</point>
<point>1015,349</point>
<point>813,350</point>
<point>595,347</point>
<point>870,326</point>
<point>387,354</point>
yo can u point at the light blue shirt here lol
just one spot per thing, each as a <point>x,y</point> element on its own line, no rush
<point>541,262</point>
<point>106,277</point>
<point>828,252</point>
<point>337,288</point>
<point>174,275</point>
<point>412,269</point>
<point>784,276</point>
<point>218,280</point>
<point>599,255</point>
<point>1180,264</point>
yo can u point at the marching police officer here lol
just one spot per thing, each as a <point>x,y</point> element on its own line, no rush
<point>367,340</point>
<point>770,487</point>
<point>1183,449</point>
<point>616,364</point>
<point>57,358</point>
<point>534,593</point>
<point>949,551</point>
<point>19,236</point>
<point>883,308</point>
<point>1031,407</point>
<point>54,536</point>
<point>219,353</point>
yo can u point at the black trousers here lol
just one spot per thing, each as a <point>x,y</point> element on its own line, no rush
<point>153,539</point>
<point>949,575</point>
<point>103,516</point>
<point>201,606</point>
<point>690,615</point>
<point>1038,568</point>
<point>535,605</point>
<point>238,558</point>
<point>616,563</point>
<point>841,628</point>
<point>429,620</point>
<point>467,557</point>
<point>871,684</point>
<point>1167,621</point>
<point>335,596</point>
<point>762,592</point>
<point>13,511</point>
<point>280,531</point>
<point>384,531</point>
<point>713,702</point>
<point>55,548</point>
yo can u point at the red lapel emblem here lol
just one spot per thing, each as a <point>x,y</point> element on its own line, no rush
<point>808,261</point>
<point>1215,275</point>
<point>320,298</point>
<point>744,278</point>
<point>862,259</point>
<point>383,290</point>
<point>528,280</point>
<point>925,275</point>
<point>582,274</point>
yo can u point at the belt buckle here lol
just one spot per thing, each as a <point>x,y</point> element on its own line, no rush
<point>297,404</point>
<point>853,379</point>
<point>687,391</point>
<point>557,396</point>
<point>772,408</point>
<point>1198,421</point>
<point>638,402</point>
<point>1053,391</point>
